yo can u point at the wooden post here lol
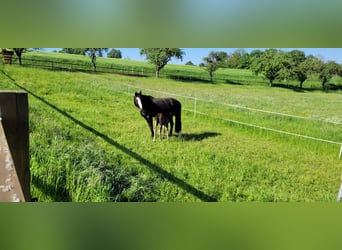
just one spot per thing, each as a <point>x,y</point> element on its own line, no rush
<point>340,152</point>
<point>14,115</point>
<point>10,187</point>
<point>7,56</point>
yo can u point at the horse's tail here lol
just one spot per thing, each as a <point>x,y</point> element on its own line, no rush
<point>178,115</point>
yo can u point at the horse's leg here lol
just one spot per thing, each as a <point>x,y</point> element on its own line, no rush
<point>171,126</point>
<point>178,115</point>
<point>149,120</point>
<point>167,132</point>
<point>160,131</point>
<point>155,129</point>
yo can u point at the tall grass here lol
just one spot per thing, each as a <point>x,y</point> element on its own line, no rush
<point>89,143</point>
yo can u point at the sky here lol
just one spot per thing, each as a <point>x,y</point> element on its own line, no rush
<point>195,55</point>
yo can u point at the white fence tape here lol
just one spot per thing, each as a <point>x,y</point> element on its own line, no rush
<point>134,88</point>
<point>239,106</point>
<point>273,130</point>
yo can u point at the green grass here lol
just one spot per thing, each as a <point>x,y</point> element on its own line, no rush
<point>89,143</point>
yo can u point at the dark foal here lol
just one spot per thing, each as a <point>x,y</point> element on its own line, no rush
<point>163,119</point>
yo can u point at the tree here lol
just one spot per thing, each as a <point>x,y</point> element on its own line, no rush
<point>93,53</point>
<point>190,63</point>
<point>327,71</point>
<point>254,56</point>
<point>19,52</point>
<point>244,62</point>
<point>77,51</point>
<point>273,64</point>
<point>301,72</point>
<point>114,53</point>
<point>239,59</point>
<point>296,57</point>
<point>159,57</point>
<point>340,70</point>
<point>304,69</point>
<point>214,61</point>
<point>299,67</point>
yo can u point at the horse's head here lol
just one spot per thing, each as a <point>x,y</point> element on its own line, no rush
<point>137,100</point>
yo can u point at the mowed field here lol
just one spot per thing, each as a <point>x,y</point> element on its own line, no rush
<point>88,141</point>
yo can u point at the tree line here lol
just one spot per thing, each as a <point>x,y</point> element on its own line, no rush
<point>274,64</point>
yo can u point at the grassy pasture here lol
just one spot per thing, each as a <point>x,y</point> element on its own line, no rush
<point>89,143</point>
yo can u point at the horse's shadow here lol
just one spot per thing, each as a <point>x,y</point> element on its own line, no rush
<point>199,137</point>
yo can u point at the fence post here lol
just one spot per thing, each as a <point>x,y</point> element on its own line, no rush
<point>9,180</point>
<point>340,190</point>
<point>195,106</point>
<point>14,114</point>
<point>340,152</point>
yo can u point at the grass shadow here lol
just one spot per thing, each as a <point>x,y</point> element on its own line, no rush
<point>199,137</point>
<point>232,82</point>
<point>152,166</point>
<point>329,87</point>
<point>57,194</point>
<point>335,87</point>
<point>181,78</point>
<point>128,74</point>
<point>292,87</point>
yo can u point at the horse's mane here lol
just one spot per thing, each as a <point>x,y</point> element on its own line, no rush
<point>146,97</point>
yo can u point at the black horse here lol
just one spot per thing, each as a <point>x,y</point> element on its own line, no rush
<point>149,107</point>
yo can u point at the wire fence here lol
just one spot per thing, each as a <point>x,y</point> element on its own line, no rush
<point>130,89</point>
<point>140,71</point>
<point>85,65</point>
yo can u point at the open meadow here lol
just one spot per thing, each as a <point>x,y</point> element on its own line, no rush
<point>88,141</point>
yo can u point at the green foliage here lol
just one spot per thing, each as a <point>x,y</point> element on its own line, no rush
<point>77,51</point>
<point>159,57</point>
<point>114,53</point>
<point>327,71</point>
<point>93,53</point>
<point>274,64</point>
<point>190,63</point>
<point>239,59</point>
<point>214,61</point>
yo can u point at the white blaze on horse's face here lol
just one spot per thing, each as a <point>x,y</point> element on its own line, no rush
<point>139,102</point>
